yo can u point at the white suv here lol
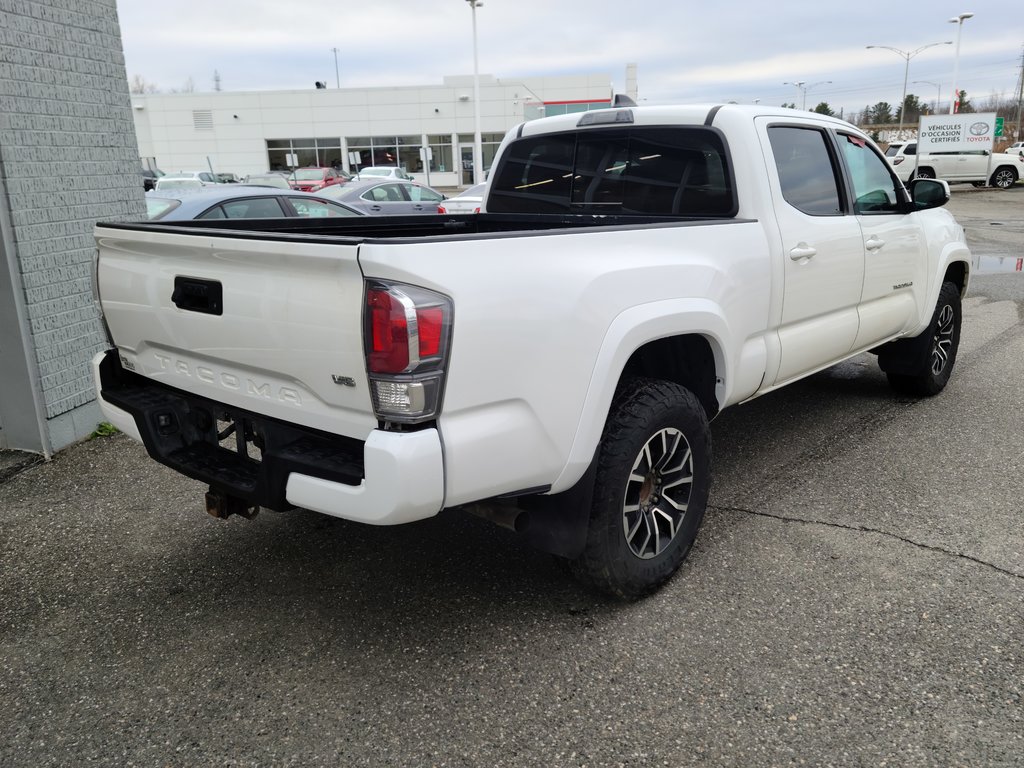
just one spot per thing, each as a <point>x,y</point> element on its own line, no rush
<point>978,166</point>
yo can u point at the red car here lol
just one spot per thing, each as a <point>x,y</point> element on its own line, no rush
<point>314,179</point>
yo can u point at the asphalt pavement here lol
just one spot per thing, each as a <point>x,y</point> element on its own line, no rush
<point>856,597</point>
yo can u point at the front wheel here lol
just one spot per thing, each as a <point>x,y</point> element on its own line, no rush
<point>930,357</point>
<point>1004,178</point>
<point>650,491</point>
<point>924,173</point>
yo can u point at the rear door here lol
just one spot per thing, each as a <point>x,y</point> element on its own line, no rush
<point>823,253</point>
<point>423,199</point>
<point>272,326</point>
<point>387,199</point>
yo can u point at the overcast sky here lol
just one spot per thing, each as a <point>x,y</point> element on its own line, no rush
<point>685,51</point>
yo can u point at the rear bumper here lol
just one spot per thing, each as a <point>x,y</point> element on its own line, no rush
<point>391,478</point>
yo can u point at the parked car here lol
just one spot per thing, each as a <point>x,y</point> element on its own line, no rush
<point>387,197</point>
<point>242,202</point>
<point>227,178</point>
<point>981,167</point>
<point>383,172</point>
<point>272,179</point>
<point>149,178</point>
<point>467,201</point>
<point>1015,149</point>
<point>314,179</point>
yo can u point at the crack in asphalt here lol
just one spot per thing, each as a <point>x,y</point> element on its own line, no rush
<point>867,529</point>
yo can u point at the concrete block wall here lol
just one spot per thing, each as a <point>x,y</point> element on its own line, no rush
<point>68,158</point>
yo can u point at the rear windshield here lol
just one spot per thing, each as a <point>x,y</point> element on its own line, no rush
<point>667,171</point>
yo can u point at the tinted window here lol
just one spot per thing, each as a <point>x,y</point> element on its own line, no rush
<point>535,176</point>
<point>249,208</point>
<point>319,208</point>
<point>806,172</point>
<point>650,171</point>
<point>874,187</point>
<point>385,193</point>
<point>421,194</point>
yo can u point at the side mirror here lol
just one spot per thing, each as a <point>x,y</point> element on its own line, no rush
<point>929,193</point>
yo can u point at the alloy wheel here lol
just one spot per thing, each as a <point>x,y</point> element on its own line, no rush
<point>943,342</point>
<point>657,493</point>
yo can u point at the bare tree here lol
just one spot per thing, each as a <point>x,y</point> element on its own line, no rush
<point>139,84</point>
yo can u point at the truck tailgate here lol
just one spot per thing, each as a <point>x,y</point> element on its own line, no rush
<point>270,327</point>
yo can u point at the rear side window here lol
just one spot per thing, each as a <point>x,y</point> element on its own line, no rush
<point>807,173</point>
<point>644,171</point>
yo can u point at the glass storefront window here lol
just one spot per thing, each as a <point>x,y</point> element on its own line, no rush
<point>307,152</point>
<point>403,151</point>
<point>441,153</point>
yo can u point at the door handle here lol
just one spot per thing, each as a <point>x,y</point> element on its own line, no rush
<point>874,243</point>
<point>374,207</point>
<point>802,251</point>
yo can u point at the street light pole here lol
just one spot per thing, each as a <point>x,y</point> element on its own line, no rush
<point>804,88</point>
<point>477,148</point>
<point>938,92</point>
<point>799,86</point>
<point>959,21</point>
<point>337,76</point>
<point>907,55</point>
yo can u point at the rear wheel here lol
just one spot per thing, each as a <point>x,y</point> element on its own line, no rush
<point>651,489</point>
<point>924,173</point>
<point>1004,178</point>
<point>932,355</point>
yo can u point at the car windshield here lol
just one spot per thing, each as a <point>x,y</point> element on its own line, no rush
<point>892,150</point>
<point>160,206</point>
<point>165,183</point>
<point>268,181</point>
<point>308,174</point>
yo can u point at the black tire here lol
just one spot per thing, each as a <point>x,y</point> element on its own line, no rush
<point>1004,177</point>
<point>978,184</point>
<point>653,478</point>
<point>924,173</point>
<point>928,358</point>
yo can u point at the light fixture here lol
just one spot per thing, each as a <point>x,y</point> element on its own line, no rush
<point>959,21</point>
<point>907,56</point>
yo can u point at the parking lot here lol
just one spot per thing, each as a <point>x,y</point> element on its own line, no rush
<point>856,597</point>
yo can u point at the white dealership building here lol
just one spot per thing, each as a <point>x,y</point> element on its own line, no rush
<point>427,129</point>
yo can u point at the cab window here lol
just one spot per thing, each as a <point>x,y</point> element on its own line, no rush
<point>875,189</point>
<point>653,171</point>
<point>807,174</point>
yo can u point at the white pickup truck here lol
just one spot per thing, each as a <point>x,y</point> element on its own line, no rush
<point>552,363</point>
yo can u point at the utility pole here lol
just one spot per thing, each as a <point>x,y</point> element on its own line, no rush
<point>1020,95</point>
<point>337,75</point>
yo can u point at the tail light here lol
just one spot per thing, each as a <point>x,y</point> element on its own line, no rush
<point>442,209</point>
<point>897,160</point>
<point>407,332</point>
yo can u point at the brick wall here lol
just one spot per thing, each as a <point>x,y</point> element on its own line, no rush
<point>68,157</point>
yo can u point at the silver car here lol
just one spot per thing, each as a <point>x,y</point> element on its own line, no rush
<point>386,197</point>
